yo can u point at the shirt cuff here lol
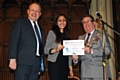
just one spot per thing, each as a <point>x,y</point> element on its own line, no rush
<point>91,51</point>
<point>50,51</point>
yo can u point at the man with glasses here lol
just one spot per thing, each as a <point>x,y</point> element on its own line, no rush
<point>92,61</point>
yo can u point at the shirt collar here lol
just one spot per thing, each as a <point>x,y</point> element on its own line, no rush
<point>91,32</point>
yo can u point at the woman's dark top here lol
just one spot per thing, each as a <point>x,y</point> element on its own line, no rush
<point>59,70</point>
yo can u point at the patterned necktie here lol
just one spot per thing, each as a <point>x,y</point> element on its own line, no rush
<point>42,66</point>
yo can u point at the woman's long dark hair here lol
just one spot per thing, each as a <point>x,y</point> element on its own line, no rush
<point>56,29</point>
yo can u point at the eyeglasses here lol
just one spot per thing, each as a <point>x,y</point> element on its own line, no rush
<point>88,21</point>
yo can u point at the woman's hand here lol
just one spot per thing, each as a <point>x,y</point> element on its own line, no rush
<point>59,47</point>
<point>71,74</point>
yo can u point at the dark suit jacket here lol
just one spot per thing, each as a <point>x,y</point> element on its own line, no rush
<point>22,42</point>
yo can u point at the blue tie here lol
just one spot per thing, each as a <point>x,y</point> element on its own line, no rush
<point>42,68</point>
<point>37,32</point>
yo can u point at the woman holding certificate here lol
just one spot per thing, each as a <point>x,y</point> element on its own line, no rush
<point>59,66</point>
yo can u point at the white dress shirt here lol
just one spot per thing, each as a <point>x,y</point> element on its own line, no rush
<point>37,52</point>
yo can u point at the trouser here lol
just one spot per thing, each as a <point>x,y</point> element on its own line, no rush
<point>93,78</point>
<point>27,72</point>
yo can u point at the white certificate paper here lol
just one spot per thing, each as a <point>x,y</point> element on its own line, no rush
<point>72,47</point>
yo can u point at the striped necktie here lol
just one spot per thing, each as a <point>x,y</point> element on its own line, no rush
<point>42,65</point>
<point>37,32</point>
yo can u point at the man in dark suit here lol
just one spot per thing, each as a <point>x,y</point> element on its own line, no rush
<point>24,46</point>
<point>92,61</point>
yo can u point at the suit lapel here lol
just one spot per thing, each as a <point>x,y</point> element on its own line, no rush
<point>29,23</point>
<point>41,30</point>
<point>94,34</point>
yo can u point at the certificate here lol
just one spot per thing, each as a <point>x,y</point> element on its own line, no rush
<point>72,47</point>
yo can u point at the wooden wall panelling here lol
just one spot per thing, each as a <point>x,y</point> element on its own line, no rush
<point>0,75</point>
<point>76,30</point>
<point>78,11</point>
<point>46,18</point>
<point>1,11</point>
<point>23,9</point>
<point>5,75</point>
<point>46,10</point>
<point>61,8</point>
<point>46,25</point>
<point>11,11</point>
<point>4,34</point>
<point>9,8</point>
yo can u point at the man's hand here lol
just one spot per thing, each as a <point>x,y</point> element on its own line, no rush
<point>12,64</point>
<point>87,50</point>
<point>59,47</point>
